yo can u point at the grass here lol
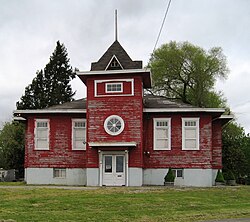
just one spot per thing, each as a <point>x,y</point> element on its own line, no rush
<point>12,184</point>
<point>147,204</point>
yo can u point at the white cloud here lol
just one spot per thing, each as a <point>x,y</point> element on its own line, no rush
<point>29,31</point>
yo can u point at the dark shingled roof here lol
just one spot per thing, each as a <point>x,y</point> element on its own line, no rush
<point>117,50</point>
<point>151,101</point>
<point>76,104</point>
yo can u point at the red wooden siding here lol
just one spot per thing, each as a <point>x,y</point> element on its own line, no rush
<point>60,153</point>
<point>130,108</point>
<point>176,157</point>
<point>217,145</point>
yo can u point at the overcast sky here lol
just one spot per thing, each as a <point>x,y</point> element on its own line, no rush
<point>29,30</point>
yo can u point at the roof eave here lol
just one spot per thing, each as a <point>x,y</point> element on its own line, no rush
<point>47,111</point>
<point>146,73</point>
<point>172,110</point>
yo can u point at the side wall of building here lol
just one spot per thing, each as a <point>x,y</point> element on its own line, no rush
<point>176,157</point>
<point>60,153</point>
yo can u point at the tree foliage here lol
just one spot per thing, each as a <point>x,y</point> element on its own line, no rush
<point>188,72</point>
<point>51,85</point>
<point>236,149</point>
<point>12,146</point>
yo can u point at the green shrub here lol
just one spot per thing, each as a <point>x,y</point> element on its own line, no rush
<point>229,175</point>
<point>219,177</point>
<point>170,176</point>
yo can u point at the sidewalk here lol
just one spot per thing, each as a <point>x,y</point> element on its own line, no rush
<point>230,220</point>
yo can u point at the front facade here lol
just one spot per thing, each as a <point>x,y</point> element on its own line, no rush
<point>118,136</point>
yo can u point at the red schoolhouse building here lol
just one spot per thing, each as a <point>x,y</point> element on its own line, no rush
<point>118,136</point>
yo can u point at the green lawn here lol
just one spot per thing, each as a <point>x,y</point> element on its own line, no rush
<point>124,204</point>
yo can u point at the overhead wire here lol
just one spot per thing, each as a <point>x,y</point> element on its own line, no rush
<point>163,21</point>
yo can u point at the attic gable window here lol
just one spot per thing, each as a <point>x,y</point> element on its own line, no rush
<point>114,64</point>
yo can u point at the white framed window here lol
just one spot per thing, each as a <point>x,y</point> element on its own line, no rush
<point>78,134</point>
<point>59,173</point>
<point>190,134</point>
<point>178,173</point>
<point>41,134</point>
<point>162,134</point>
<point>114,125</point>
<point>113,87</point>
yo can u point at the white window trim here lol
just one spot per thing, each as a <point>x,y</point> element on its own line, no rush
<point>106,127</point>
<point>197,127</point>
<point>35,133</point>
<point>96,82</point>
<point>113,83</point>
<point>73,126</point>
<point>169,133</point>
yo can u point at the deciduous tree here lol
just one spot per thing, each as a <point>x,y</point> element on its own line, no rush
<point>12,146</point>
<point>187,72</point>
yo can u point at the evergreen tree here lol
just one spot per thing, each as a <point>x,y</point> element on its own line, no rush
<point>51,86</point>
<point>58,73</point>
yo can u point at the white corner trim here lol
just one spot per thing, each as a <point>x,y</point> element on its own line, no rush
<point>114,144</point>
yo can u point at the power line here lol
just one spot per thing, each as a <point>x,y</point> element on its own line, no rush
<point>163,21</point>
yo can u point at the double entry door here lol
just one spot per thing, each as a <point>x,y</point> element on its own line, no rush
<point>113,170</point>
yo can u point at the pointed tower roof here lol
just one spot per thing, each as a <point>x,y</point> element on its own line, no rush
<point>115,51</point>
<point>115,61</point>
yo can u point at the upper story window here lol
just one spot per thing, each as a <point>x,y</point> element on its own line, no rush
<point>41,134</point>
<point>190,134</point>
<point>78,134</point>
<point>114,87</point>
<point>162,134</point>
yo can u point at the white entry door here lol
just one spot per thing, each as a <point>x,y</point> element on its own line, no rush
<point>114,170</point>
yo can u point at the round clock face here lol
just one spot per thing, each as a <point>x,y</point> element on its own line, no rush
<point>114,125</point>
